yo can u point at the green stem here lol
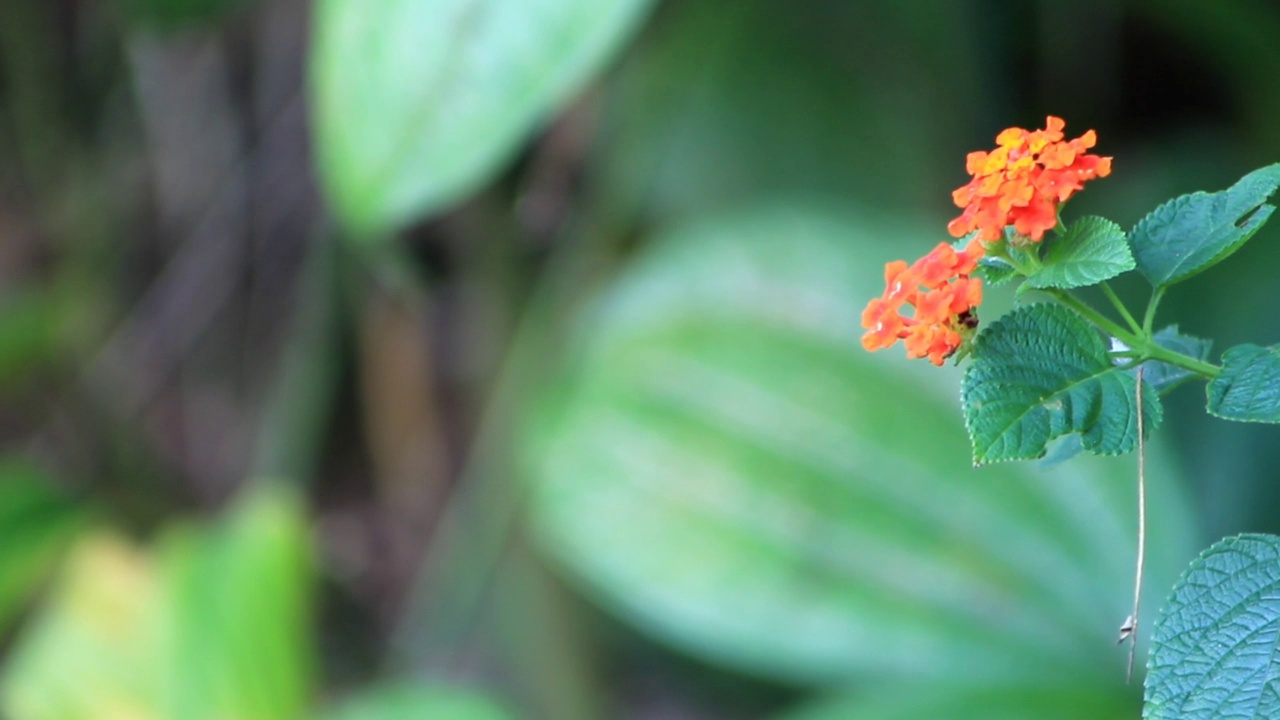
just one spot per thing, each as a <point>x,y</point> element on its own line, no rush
<point>1149,318</point>
<point>1105,324</point>
<point>1119,306</point>
<point>1032,254</point>
<point>1142,342</point>
<point>1012,256</point>
<point>1206,370</point>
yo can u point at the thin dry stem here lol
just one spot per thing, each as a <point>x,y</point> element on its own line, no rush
<point>1131,624</point>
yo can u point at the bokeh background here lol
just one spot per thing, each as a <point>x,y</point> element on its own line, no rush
<point>476,360</point>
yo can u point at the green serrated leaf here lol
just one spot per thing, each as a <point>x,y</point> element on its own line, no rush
<point>995,271</point>
<point>417,104</point>
<point>1248,389</point>
<point>1162,375</point>
<point>1192,233</point>
<point>1092,250</point>
<point>1041,372</point>
<point>1216,648</point>
<point>994,268</point>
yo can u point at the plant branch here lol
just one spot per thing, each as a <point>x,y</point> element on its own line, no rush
<point>1119,306</point>
<point>1100,320</point>
<point>1204,369</point>
<point>1149,318</point>
<point>1142,342</point>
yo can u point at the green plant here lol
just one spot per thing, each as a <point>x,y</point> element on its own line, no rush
<point>573,322</point>
<point>1063,371</point>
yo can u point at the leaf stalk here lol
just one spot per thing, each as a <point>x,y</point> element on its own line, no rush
<point>1139,340</point>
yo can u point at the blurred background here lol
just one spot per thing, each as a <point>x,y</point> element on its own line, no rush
<point>454,359</point>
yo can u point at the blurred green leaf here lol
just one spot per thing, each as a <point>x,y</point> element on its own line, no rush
<point>726,103</point>
<point>418,103</point>
<point>170,13</point>
<point>215,625</point>
<point>413,702</point>
<point>967,703</point>
<point>28,335</point>
<point>94,650</point>
<point>1041,372</point>
<point>1248,389</point>
<point>1216,649</point>
<point>1092,250</point>
<point>36,524</point>
<point>726,467</point>
<point>239,594</point>
<point>1192,233</point>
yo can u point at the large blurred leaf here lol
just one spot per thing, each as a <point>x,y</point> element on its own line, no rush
<point>94,651</point>
<point>1216,650</point>
<point>213,627</point>
<point>416,103</point>
<point>411,702</point>
<point>726,467</point>
<point>36,524</point>
<point>239,595</point>
<point>966,703</point>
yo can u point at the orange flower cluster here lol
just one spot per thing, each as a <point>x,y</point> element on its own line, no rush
<point>938,286</point>
<point>1024,180</point>
<point>1021,183</point>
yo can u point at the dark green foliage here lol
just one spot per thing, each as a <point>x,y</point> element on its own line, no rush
<point>1041,372</point>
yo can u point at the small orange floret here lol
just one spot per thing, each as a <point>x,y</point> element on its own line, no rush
<point>1024,181</point>
<point>944,297</point>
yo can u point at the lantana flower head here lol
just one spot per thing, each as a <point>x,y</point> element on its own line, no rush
<point>1024,180</point>
<point>944,299</point>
